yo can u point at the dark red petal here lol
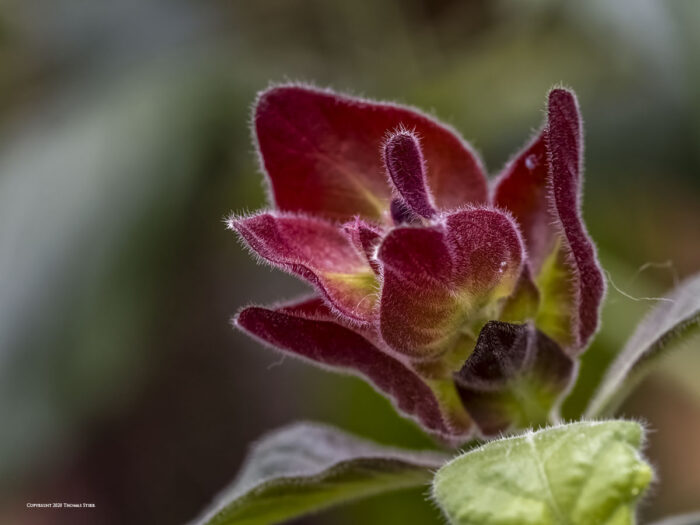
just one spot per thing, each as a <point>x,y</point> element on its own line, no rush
<point>319,252</point>
<point>406,169</point>
<point>541,187</point>
<point>515,377</point>
<point>522,189</point>
<point>321,152</point>
<point>487,250</point>
<point>365,238</point>
<point>565,147</point>
<point>417,310</point>
<point>308,331</point>
<point>436,278</point>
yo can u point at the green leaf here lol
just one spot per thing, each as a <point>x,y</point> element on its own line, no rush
<point>575,474</point>
<point>685,519</point>
<point>306,467</point>
<point>673,322</point>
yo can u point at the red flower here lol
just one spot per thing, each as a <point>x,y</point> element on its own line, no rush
<point>387,213</point>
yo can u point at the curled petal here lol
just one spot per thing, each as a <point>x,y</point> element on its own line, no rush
<point>437,279</point>
<point>321,152</point>
<point>365,238</point>
<point>515,377</point>
<point>309,330</point>
<point>541,187</point>
<point>565,151</point>
<point>319,252</point>
<point>406,169</point>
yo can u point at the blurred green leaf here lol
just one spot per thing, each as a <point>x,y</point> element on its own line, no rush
<point>581,473</point>
<point>671,324</point>
<point>306,467</point>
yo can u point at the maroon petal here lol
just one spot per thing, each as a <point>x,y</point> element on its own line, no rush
<point>438,278</point>
<point>541,187</point>
<point>406,169</point>
<point>523,190</point>
<point>319,252</point>
<point>309,330</point>
<point>515,377</point>
<point>321,152</point>
<point>365,238</point>
<point>565,150</point>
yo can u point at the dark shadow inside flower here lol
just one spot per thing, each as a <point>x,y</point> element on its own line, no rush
<point>515,377</point>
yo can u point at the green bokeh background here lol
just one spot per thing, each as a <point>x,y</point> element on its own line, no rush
<point>124,142</point>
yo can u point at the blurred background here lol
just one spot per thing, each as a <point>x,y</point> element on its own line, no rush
<point>124,142</point>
